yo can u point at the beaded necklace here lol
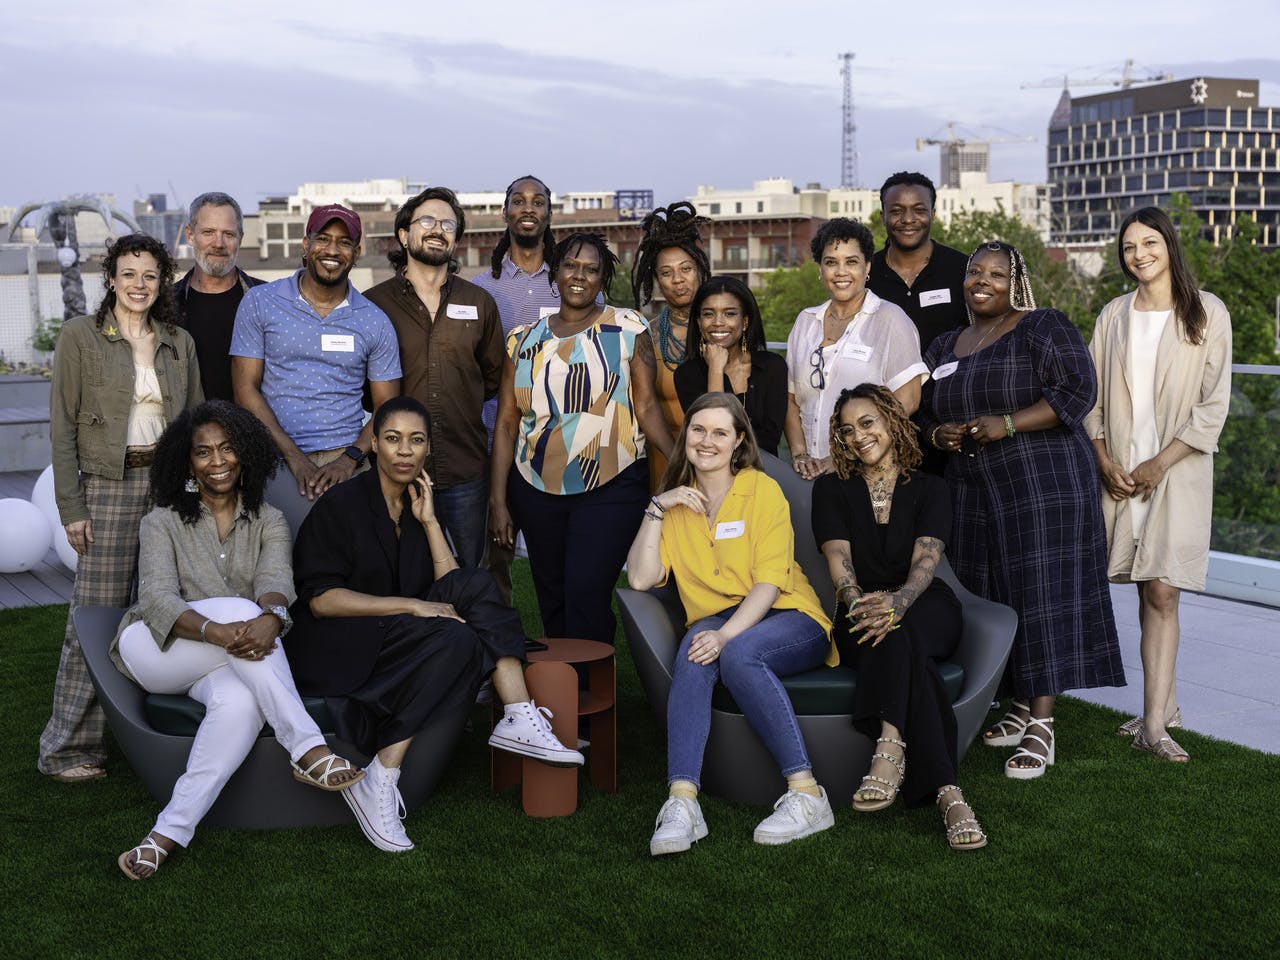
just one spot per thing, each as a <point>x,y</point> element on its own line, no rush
<point>673,351</point>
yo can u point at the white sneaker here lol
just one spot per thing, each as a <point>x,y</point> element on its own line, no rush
<point>379,809</point>
<point>796,815</point>
<point>524,729</point>
<point>680,825</point>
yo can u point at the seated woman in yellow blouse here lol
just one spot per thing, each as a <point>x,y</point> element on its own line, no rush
<point>721,526</point>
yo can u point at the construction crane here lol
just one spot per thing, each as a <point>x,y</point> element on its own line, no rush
<point>848,143</point>
<point>1126,80</point>
<point>960,154</point>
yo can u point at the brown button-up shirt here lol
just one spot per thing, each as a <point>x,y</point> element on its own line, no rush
<point>452,363</point>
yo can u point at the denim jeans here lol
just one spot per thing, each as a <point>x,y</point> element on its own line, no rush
<point>783,643</point>
<point>463,509</point>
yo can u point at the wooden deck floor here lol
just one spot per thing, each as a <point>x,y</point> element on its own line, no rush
<point>49,581</point>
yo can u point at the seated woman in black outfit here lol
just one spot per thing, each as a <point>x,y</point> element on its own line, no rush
<point>726,354</point>
<point>882,527</point>
<point>388,625</point>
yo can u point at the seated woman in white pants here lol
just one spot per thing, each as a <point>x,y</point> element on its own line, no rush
<point>210,545</point>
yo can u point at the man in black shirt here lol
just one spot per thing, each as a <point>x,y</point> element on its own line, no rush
<point>211,291</point>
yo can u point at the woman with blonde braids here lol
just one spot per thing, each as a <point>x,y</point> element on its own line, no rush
<point>671,255</point>
<point>882,527</point>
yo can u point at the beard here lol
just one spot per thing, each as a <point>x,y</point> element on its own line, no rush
<point>324,281</point>
<point>432,257</point>
<point>526,241</point>
<point>215,269</point>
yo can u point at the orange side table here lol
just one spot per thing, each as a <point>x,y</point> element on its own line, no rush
<point>549,791</point>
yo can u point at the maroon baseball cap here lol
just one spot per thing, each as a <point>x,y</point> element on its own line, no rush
<point>322,216</point>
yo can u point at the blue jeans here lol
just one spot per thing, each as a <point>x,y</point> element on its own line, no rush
<point>783,643</point>
<point>463,509</point>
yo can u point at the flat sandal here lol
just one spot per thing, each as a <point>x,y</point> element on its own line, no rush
<point>1131,726</point>
<point>887,789</point>
<point>1166,748</point>
<point>963,825</point>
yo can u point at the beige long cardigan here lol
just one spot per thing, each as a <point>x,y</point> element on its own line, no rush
<point>1193,393</point>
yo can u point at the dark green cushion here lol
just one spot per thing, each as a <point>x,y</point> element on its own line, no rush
<point>829,690</point>
<point>178,715</point>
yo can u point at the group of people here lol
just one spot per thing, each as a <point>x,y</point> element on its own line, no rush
<point>521,401</point>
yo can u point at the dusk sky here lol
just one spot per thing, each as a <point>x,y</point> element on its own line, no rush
<point>132,97</point>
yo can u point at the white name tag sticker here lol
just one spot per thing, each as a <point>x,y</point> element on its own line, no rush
<point>730,529</point>
<point>945,369</point>
<point>462,311</point>
<point>930,298</point>
<point>337,342</point>
<point>857,351</point>
<point>544,312</point>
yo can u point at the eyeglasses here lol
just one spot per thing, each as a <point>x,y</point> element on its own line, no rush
<point>817,376</point>
<point>429,223</point>
<point>846,431</point>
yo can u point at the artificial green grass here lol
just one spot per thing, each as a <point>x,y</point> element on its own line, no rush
<point>1112,854</point>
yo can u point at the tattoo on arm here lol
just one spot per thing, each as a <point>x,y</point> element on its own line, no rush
<point>924,561</point>
<point>644,352</point>
<point>847,585</point>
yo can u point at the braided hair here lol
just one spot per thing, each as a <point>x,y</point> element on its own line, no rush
<point>576,241</point>
<point>1021,296</point>
<point>902,432</point>
<point>664,228</point>
<point>504,243</point>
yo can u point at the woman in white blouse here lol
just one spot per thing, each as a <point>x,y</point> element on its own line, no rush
<point>855,337</point>
<point>1163,356</point>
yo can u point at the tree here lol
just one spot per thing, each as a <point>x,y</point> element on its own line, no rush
<point>786,292</point>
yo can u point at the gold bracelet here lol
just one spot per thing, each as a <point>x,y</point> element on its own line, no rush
<point>933,437</point>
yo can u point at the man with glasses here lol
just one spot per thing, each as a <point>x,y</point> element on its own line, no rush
<point>451,351</point>
<point>303,348</point>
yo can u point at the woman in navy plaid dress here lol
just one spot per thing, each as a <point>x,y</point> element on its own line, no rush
<point>1008,396</point>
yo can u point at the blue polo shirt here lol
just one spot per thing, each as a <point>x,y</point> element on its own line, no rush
<point>315,367</point>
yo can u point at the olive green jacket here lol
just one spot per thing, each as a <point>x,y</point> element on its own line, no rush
<point>93,380</point>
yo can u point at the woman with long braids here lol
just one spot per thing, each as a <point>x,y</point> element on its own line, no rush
<point>671,255</point>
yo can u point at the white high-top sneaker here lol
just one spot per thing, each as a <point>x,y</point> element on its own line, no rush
<point>378,807</point>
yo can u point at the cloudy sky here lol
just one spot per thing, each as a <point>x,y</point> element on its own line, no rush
<point>134,97</point>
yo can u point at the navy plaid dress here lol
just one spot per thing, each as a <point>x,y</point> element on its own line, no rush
<point>1027,517</point>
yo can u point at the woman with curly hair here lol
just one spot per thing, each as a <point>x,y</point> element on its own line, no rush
<point>215,587</point>
<point>882,525</point>
<point>118,377</point>
<point>670,255</point>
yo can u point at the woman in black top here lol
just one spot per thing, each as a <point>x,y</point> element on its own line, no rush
<point>882,527</point>
<point>726,354</point>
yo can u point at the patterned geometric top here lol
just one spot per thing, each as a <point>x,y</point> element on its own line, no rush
<point>577,428</point>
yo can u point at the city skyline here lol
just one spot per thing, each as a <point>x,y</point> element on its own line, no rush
<point>256,104</point>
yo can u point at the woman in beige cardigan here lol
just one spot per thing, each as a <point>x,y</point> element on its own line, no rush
<point>1163,356</point>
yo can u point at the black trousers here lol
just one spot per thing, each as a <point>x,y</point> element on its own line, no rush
<point>898,682</point>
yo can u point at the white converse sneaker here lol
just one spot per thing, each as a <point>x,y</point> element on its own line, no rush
<point>378,807</point>
<point>680,825</point>
<point>796,815</point>
<point>524,729</point>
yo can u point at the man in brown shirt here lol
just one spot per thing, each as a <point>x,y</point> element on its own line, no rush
<point>451,354</point>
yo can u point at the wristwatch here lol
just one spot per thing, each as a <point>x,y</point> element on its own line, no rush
<point>286,621</point>
<point>355,453</point>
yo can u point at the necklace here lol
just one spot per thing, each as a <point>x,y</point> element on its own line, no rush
<point>999,323</point>
<point>673,351</point>
<point>880,494</point>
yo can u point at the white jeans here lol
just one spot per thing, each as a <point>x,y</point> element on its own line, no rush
<point>238,696</point>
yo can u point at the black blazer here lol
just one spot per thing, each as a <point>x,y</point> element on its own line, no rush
<point>348,540</point>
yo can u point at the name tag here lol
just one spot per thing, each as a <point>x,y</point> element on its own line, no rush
<point>544,312</point>
<point>929,298</point>
<point>339,342</point>
<point>857,351</point>
<point>461,311</point>
<point>730,529</point>
<point>945,369</point>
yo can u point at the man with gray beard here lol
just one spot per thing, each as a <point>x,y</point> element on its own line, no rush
<point>210,293</point>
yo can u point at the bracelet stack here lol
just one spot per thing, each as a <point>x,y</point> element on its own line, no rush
<point>658,507</point>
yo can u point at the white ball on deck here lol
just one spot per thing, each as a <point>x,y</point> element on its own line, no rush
<point>25,536</point>
<point>42,497</point>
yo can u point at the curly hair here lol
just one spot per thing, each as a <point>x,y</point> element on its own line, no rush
<point>902,432</point>
<point>1021,296</point>
<point>1186,297</point>
<point>504,244</point>
<point>752,326</point>
<point>664,228</point>
<point>575,242</point>
<point>165,309</point>
<point>397,253</point>
<point>680,472</point>
<point>839,229</point>
<point>171,466</point>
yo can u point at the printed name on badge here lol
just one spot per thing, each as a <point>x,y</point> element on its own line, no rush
<point>337,342</point>
<point>730,529</point>
<point>945,369</point>
<point>462,311</point>
<point>929,298</point>
<point>857,351</point>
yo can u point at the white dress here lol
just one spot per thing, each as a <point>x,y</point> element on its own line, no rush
<point>1145,329</point>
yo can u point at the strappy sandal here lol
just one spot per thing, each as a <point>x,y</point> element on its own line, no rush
<point>1166,748</point>
<point>1043,761</point>
<point>1131,726</point>
<point>888,789</point>
<point>961,826</point>
<point>148,846</point>
<point>333,764</point>
<point>1007,731</point>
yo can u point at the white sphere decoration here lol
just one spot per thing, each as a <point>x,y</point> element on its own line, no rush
<point>25,536</point>
<point>42,497</point>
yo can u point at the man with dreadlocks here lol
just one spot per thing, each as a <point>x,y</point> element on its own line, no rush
<point>670,254</point>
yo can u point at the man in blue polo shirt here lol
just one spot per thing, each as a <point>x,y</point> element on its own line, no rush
<point>302,350</point>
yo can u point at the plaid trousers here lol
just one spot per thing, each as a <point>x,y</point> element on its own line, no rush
<point>104,576</point>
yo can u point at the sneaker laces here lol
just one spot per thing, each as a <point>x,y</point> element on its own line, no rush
<point>390,803</point>
<point>542,717</point>
<point>792,804</point>
<point>676,812</point>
